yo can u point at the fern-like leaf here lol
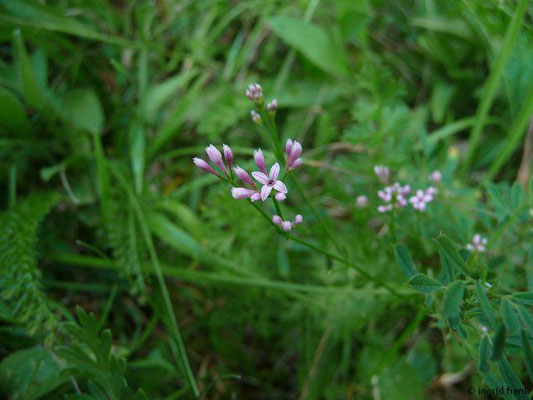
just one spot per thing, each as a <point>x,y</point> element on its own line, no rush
<point>20,279</point>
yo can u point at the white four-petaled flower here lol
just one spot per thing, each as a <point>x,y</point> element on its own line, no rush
<point>270,182</point>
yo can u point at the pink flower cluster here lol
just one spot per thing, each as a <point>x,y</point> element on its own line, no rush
<point>422,197</point>
<point>216,158</point>
<point>287,225</point>
<point>394,196</point>
<point>478,244</point>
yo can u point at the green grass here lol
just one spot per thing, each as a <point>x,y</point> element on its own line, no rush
<point>127,273</point>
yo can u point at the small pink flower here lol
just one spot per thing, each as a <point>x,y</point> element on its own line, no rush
<point>286,226</point>
<point>228,155</point>
<point>254,92</point>
<point>242,193</point>
<point>216,157</point>
<point>362,201</point>
<point>203,165</point>
<point>478,244</point>
<point>260,160</point>
<point>280,196</point>
<point>255,117</point>
<point>435,177</point>
<point>256,196</point>
<point>298,219</point>
<point>276,219</point>
<point>382,172</point>
<point>395,195</point>
<point>243,176</point>
<point>420,200</point>
<point>270,182</point>
<point>385,208</point>
<point>431,191</point>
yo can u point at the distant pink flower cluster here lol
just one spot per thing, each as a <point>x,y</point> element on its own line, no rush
<point>393,196</point>
<point>287,225</point>
<point>396,195</point>
<point>478,244</point>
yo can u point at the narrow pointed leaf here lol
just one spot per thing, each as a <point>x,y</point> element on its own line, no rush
<point>404,261</point>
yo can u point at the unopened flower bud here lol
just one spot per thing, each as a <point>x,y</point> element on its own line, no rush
<point>228,155</point>
<point>243,176</point>
<point>256,117</point>
<point>362,201</point>
<point>298,219</point>
<point>435,177</point>
<point>216,157</point>
<point>276,219</point>
<point>272,107</point>
<point>280,196</point>
<point>286,226</point>
<point>254,92</point>
<point>260,160</point>
<point>204,166</point>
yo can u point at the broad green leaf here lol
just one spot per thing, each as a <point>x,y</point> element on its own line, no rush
<point>498,343</point>
<point>511,380</point>
<point>450,251</point>
<point>12,113</point>
<point>424,283</point>
<point>523,298</point>
<point>484,347</point>
<point>528,352</point>
<point>83,110</point>
<point>485,306</point>
<point>312,42</point>
<point>30,374</point>
<point>509,316</point>
<point>404,261</point>
<point>30,86</point>
<point>451,306</point>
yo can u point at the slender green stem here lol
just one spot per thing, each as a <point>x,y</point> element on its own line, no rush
<point>178,339</point>
<point>12,185</point>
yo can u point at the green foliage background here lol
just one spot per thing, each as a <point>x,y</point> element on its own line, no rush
<point>126,273</point>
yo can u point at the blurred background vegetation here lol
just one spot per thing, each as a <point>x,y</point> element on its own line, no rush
<point>104,103</point>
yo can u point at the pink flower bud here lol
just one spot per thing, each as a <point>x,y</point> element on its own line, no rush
<point>280,196</point>
<point>288,147</point>
<point>286,226</point>
<point>362,201</point>
<point>254,92</point>
<point>228,155</point>
<point>260,160</point>
<point>276,219</point>
<point>256,196</point>
<point>272,107</point>
<point>296,164</point>
<point>296,151</point>
<point>436,177</point>
<point>216,157</point>
<point>382,172</point>
<point>243,176</point>
<point>256,117</point>
<point>298,219</point>
<point>241,193</point>
<point>204,166</point>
